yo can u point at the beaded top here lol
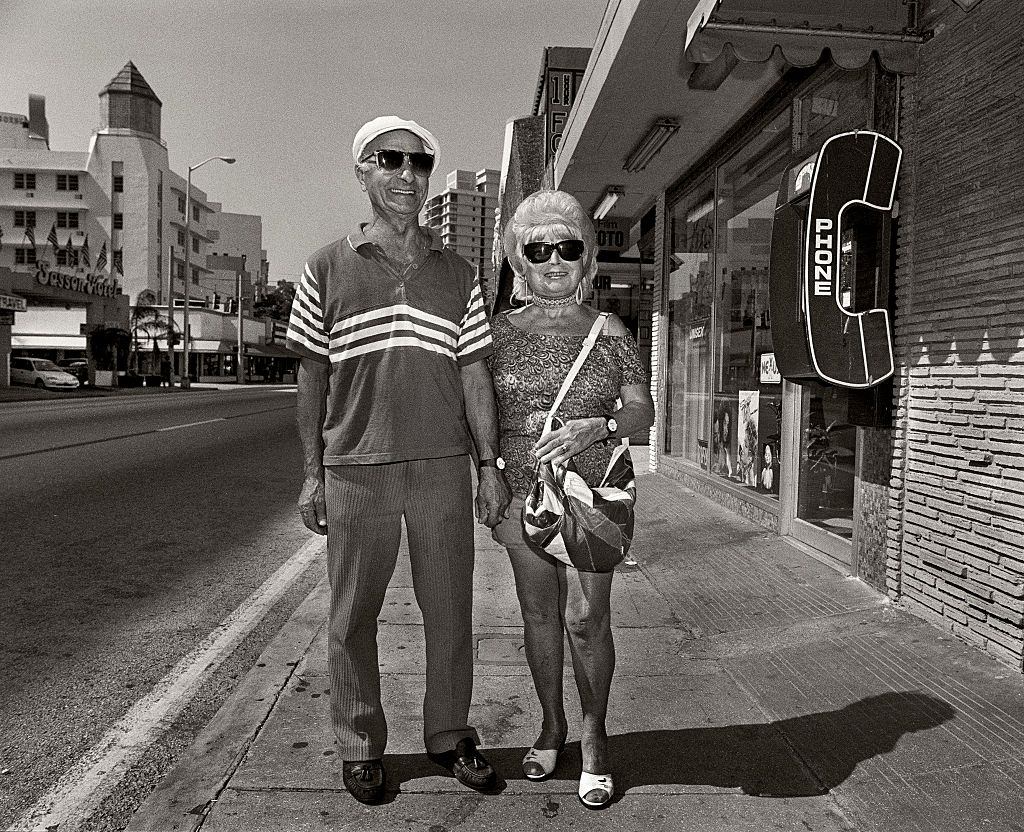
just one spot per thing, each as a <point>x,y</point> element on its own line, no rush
<point>528,370</point>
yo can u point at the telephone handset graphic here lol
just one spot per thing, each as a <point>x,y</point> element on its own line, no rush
<point>844,348</point>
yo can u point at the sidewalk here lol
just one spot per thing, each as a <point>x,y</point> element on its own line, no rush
<point>755,689</point>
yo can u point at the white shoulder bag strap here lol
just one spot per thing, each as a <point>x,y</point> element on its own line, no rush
<point>588,345</point>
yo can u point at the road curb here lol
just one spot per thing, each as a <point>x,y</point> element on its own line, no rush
<point>186,795</point>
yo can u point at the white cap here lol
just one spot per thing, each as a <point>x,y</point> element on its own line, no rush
<point>385,124</point>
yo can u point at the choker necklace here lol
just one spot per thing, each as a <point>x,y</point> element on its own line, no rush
<point>553,303</point>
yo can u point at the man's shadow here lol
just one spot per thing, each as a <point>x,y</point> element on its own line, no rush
<point>798,757</point>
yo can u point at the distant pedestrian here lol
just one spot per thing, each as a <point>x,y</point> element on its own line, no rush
<point>393,394</point>
<point>165,371</point>
<point>551,246</point>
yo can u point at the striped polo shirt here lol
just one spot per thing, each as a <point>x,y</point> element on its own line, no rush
<point>395,341</point>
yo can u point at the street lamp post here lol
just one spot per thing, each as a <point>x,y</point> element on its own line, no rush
<point>188,264</point>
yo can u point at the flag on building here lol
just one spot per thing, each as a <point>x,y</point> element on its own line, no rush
<point>118,261</point>
<point>51,238</point>
<point>101,258</point>
<point>30,235</point>
<point>70,258</point>
<point>85,251</point>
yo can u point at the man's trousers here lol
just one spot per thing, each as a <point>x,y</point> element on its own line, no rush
<point>365,507</point>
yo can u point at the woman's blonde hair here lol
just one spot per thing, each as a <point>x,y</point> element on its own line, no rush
<point>544,209</point>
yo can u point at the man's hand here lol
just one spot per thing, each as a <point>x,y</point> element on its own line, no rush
<point>313,504</point>
<point>492,497</point>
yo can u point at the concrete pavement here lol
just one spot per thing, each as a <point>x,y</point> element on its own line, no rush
<point>756,688</point>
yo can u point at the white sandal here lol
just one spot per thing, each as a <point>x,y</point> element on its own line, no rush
<point>599,783</point>
<point>546,759</point>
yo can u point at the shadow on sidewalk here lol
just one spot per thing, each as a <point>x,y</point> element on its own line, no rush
<point>756,758</point>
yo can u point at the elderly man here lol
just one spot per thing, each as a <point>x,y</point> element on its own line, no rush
<point>394,394</point>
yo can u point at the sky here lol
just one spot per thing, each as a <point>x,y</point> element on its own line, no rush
<point>283,85</point>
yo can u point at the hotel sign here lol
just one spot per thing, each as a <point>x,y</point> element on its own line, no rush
<point>89,284</point>
<point>12,303</point>
<point>815,336</point>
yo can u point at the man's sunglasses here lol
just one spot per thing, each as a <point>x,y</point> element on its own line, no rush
<point>391,160</point>
<point>540,252</point>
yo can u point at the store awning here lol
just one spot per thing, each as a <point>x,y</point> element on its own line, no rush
<point>269,351</point>
<point>690,69</point>
<point>751,30</point>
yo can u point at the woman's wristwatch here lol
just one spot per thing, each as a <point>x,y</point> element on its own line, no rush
<point>497,462</point>
<point>611,426</point>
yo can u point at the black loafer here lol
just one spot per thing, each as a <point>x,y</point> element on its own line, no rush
<point>467,764</point>
<point>364,780</point>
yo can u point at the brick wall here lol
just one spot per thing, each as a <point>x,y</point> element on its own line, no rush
<point>955,532</point>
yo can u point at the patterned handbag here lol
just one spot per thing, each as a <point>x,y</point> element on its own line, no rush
<point>587,528</point>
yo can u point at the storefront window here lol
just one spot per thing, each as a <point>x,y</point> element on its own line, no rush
<point>828,440</point>
<point>827,456</point>
<point>837,105</point>
<point>210,364</point>
<point>747,406</point>
<point>689,295</point>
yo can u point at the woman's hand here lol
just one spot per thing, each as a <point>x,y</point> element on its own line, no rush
<point>559,446</point>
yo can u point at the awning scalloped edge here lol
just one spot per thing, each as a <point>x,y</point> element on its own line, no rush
<point>802,50</point>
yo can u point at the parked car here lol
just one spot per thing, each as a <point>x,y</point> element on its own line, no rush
<point>41,372</point>
<point>78,367</point>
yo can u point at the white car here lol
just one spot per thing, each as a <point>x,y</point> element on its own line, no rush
<point>41,372</point>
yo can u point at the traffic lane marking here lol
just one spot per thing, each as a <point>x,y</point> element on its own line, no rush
<point>146,432</point>
<point>86,784</point>
<point>193,424</point>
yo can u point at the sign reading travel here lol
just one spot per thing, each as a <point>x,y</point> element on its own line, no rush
<point>815,336</point>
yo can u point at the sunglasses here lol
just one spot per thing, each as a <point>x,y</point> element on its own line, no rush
<point>391,160</point>
<point>540,252</point>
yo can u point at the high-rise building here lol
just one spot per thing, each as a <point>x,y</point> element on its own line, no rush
<point>463,214</point>
<point>85,235</point>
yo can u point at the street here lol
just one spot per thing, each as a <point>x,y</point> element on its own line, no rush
<point>131,528</point>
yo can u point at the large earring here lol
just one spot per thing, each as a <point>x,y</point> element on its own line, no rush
<point>579,293</point>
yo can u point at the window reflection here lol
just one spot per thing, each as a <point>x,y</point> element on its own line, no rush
<point>689,304</point>
<point>747,407</point>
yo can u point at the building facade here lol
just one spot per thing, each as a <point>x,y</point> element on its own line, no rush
<point>110,221</point>
<point>626,261</point>
<point>463,214</point>
<point>720,126</point>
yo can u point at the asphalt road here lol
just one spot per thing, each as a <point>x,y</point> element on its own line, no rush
<point>129,529</point>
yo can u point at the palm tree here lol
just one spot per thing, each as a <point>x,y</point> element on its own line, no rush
<point>150,323</point>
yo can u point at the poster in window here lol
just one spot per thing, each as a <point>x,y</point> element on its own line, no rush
<point>723,437</point>
<point>748,452</point>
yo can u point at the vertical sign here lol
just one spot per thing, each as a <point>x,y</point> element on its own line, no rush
<point>561,88</point>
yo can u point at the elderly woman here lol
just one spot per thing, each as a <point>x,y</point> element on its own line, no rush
<point>551,246</point>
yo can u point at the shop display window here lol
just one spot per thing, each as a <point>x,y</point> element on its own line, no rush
<point>688,302</point>
<point>837,105</point>
<point>746,427</point>
<point>827,459</point>
<point>210,364</point>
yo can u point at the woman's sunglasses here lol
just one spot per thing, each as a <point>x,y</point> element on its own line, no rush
<point>540,252</point>
<point>391,160</point>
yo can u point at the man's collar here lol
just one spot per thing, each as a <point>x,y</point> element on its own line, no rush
<point>357,239</point>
